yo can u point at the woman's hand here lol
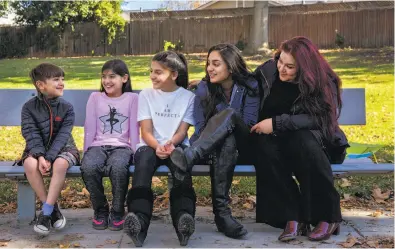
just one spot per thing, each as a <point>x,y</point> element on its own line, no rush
<point>192,84</point>
<point>265,127</point>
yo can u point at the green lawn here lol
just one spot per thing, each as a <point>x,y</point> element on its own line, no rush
<point>370,69</point>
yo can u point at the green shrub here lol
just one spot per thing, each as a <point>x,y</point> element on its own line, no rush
<point>168,45</point>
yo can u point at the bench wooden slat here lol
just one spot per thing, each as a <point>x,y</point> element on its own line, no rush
<point>12,100</point>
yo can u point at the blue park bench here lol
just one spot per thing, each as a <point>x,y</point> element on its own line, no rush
<point>12,100</point>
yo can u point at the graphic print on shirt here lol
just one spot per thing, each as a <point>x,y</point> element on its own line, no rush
<point>113,121</point>
<point>167,113</point>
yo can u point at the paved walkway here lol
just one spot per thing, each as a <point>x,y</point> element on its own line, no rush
<point>78,232</point>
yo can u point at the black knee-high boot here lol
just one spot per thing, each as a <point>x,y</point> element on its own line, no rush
<point>216,130</point>
<point>182,211</point>
<point>221,173</point>
<point>140,206</point>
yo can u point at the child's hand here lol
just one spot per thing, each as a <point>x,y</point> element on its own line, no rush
<point>43,166</point>
<point>161,152</point>
<point>169,146</point>
<point>49,165</point>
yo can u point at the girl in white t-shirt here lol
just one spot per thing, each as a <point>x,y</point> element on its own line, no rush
<point>165,114</point>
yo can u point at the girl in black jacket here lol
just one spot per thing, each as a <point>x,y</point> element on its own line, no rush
<point>225,108</point>
<point>299,135</point>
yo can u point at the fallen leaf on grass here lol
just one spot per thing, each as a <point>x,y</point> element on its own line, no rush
<point>252,198</point>
<point>80,204</point>
<point>156,182</point>
<point>3,244</point>
<point>84,192</point>
<point>235,199</point>
<point>64,246</point>
<point>66,192</point>
<point>345,183</point>
<point>347,197</point>
<point>248,205</point>
<point>235,182</point>
<point>77,245</point>
<point>380,197</point>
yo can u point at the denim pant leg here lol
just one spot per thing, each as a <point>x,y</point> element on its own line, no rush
<point>118,163</point>
<point>92,169</point>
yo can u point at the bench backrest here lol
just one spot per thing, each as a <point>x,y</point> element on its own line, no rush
<point>12,100</point>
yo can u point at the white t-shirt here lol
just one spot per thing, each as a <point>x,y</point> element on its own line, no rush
<point>166,110</point>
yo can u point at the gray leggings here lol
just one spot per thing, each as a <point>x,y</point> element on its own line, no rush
<point>111,161</point>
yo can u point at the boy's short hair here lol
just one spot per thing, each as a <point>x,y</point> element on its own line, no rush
<point>45,71</point>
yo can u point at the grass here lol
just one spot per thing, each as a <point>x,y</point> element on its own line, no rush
<point>372,69</point>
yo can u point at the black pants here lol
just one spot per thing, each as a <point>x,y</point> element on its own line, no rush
<point>140,196</point>
<point>111,161</point>
<point>146,163</point>
<point>279,199</point>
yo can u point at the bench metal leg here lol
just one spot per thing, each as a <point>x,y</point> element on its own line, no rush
<point>169,181</point>
<point>26,201</point>
<point>169,186</point>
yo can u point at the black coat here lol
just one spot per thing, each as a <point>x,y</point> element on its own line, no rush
<point>246,105</point>
<point>46,127</point>
<point>298,119</point>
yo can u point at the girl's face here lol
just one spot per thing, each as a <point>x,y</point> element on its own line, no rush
<point>162,78</point>
<point>112,83</point>
<point>216,68</point>
<point>286,66</point>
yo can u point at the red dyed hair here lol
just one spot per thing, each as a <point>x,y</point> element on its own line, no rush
<point>316,80</point>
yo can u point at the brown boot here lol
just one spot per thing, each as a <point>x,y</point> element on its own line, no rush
<point>324,230</point>
<point>290,232</point>
<point>293,229</point>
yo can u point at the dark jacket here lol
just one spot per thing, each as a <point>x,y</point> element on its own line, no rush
<point>243,101</point>
<point>46,127</point>
<point>266,75</point>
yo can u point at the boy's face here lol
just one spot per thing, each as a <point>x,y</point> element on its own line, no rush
<point>52,87</point>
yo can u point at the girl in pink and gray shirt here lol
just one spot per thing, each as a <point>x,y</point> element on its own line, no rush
<point>111,135</point>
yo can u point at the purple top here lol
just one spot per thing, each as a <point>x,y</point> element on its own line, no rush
<point>111,121</point>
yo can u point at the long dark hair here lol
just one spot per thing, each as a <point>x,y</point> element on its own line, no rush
<point>240,74</point>
<point>118,67</point>
<point>175,62</point>
<point>315,79</point>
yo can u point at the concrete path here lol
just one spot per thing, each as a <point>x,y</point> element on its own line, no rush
<point>78,232</point>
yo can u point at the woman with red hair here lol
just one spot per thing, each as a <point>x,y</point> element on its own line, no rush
<point>299,135</point>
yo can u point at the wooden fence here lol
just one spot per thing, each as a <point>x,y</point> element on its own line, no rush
<point>363,24</point>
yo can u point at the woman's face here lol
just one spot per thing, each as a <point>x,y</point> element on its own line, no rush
<point>286,66</point>
<point>216,68</point>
